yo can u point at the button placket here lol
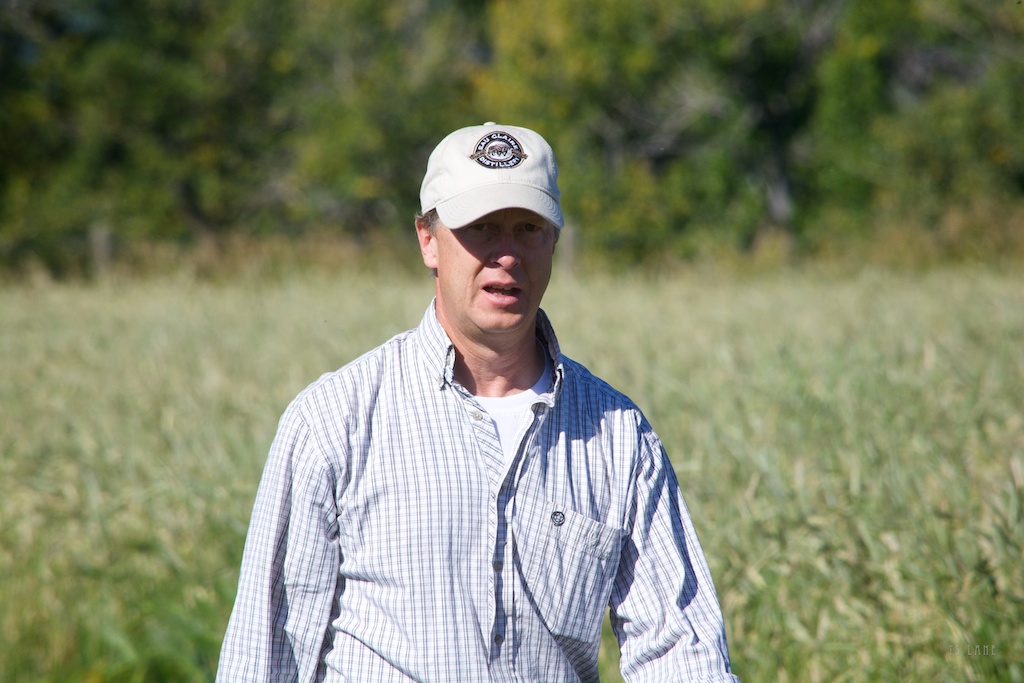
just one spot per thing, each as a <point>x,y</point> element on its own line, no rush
<point>493,597</point>
<point>502,589</point>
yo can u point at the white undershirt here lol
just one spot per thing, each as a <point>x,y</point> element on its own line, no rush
<point>509,412</point>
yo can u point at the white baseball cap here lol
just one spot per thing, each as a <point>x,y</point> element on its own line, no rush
<point>477,170</point>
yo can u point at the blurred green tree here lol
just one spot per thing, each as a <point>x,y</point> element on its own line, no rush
<point>382,82</point>
<point>679,125</point>
<point>711,121</point>
<point>680,118</point>
<point>914,118</point>
<point>132,120</point>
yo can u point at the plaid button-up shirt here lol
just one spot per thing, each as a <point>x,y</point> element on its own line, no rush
<point>392,541</point>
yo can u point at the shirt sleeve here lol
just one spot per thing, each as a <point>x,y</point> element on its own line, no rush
<point>664,609</point>
<point>286,589</point>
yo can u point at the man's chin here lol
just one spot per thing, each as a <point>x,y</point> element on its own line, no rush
<point>503,322</point>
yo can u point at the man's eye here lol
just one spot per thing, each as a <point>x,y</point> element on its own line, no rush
<point>530,227</point>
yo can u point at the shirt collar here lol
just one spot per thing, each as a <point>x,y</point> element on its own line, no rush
<point>439,351</point>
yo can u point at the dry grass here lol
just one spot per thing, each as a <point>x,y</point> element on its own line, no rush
<point>852,448</point>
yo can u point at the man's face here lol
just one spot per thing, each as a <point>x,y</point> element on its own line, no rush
<point>491,275</point>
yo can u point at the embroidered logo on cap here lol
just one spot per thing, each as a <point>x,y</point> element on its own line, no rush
<point>498,150</point>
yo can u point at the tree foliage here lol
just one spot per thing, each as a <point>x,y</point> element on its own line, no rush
<point>147,120</point>
<point>676,124</point>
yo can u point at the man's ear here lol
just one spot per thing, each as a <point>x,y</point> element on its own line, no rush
<point>428,244</point>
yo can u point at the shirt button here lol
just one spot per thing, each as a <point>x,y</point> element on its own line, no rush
<point>498,566</point>
<point>476,415</point>
<point>499,639</point>
<point>558,518</point>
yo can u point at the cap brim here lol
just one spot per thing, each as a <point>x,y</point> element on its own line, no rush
<point>465,208</point>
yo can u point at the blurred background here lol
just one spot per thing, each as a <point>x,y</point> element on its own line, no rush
<point>797,229</point>
<point>710,129</point>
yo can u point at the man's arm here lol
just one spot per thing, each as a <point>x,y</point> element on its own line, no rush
<point>665,612</point>
<point>286,590</point>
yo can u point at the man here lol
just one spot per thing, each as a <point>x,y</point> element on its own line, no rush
<point>463,503</point>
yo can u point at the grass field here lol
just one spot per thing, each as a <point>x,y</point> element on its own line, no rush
<point>851,448</point>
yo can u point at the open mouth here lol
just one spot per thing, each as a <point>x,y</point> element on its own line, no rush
<point>501,290</point>
<point>503,295</point>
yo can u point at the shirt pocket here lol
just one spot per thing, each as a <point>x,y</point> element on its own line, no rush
<point>568,563</point>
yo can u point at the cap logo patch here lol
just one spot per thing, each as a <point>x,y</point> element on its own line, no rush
<point>498,150</point>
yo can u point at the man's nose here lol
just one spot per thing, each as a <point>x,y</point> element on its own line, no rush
<point>506,251</point>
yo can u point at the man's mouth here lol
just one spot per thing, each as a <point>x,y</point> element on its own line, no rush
<point>505,290</point>
<point>503,294</point>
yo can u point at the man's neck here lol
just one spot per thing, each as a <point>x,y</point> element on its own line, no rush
<point>494,364</point>
<point>487,372</point>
